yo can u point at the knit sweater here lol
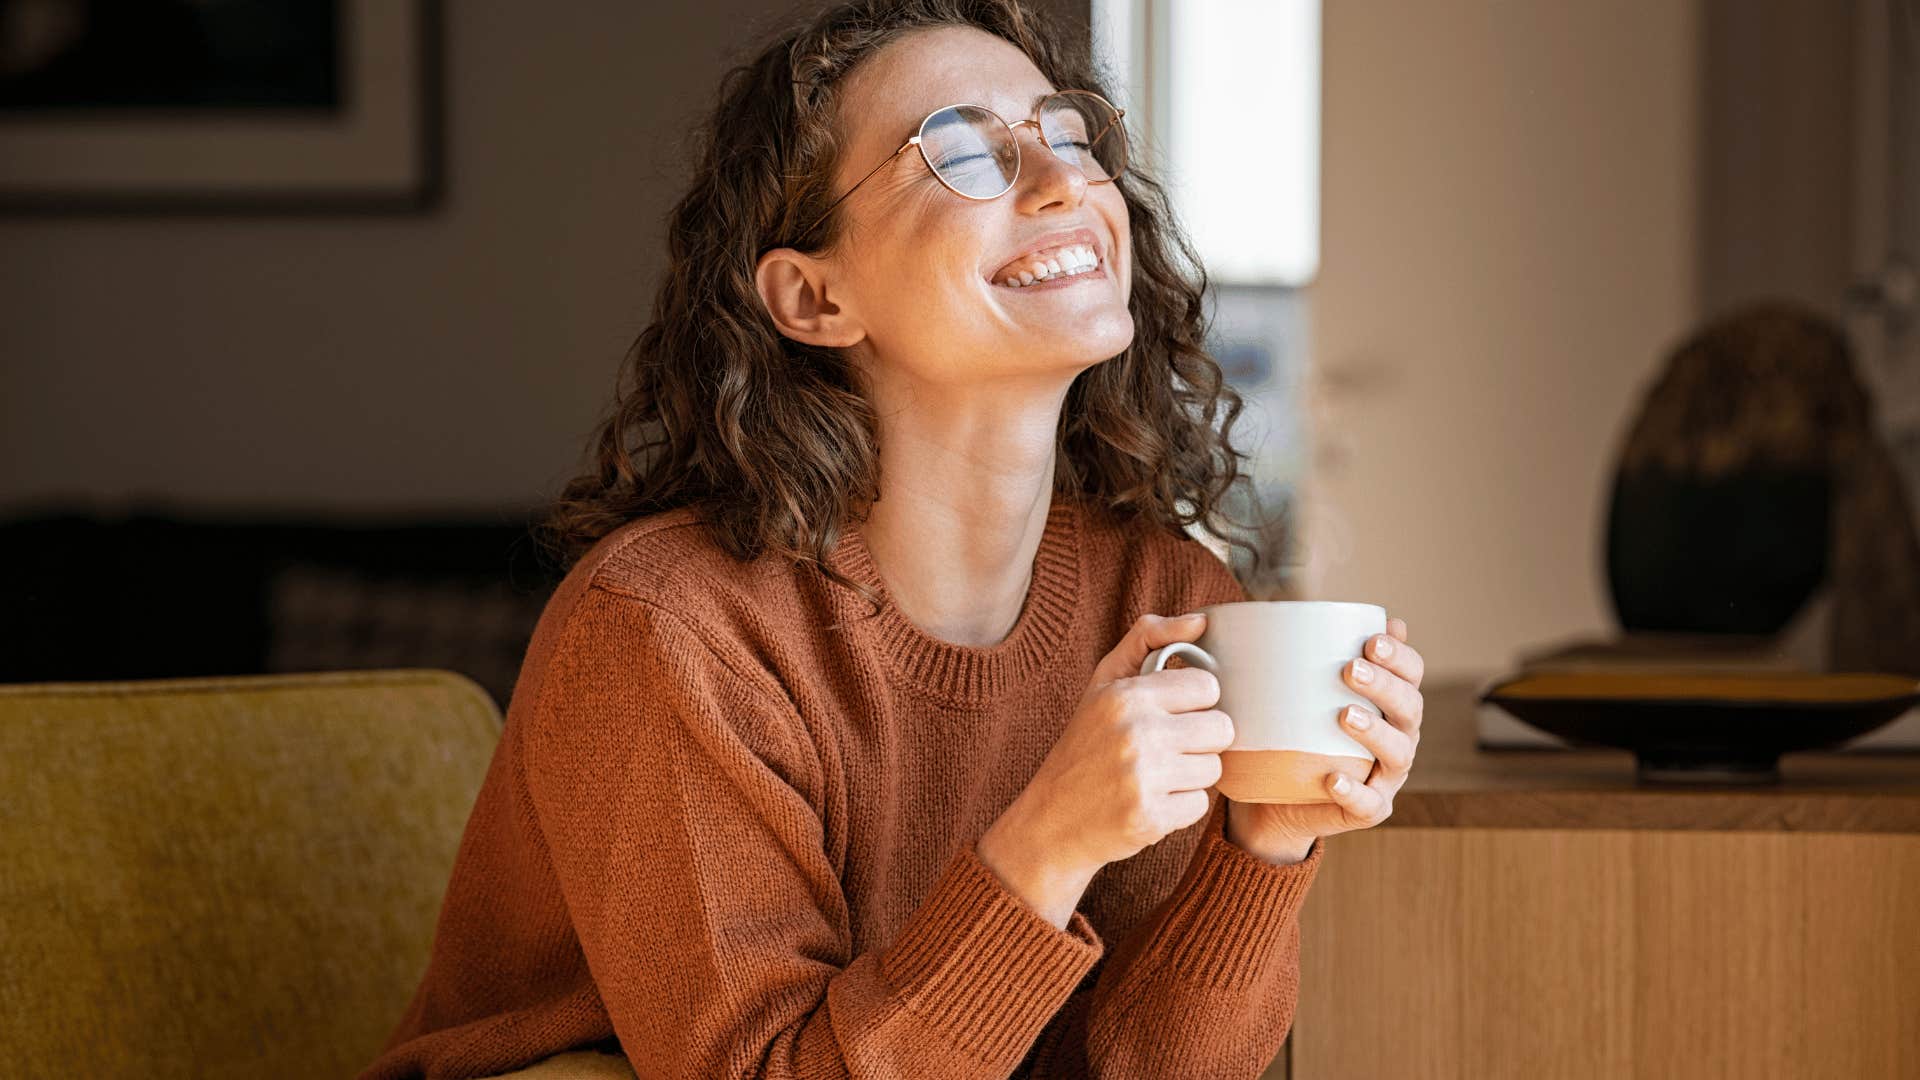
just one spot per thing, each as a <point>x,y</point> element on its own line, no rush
<point>727,839</point>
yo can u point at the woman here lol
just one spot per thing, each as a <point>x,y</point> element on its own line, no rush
<point>827,757</point>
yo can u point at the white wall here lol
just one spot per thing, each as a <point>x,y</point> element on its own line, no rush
<point>1509,247</point>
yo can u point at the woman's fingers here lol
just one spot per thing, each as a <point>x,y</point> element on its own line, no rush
<point>1200,737</point>
<point>1397,698</point>
<point>1148,632</point>
<point>1174,690</point>
<point>1392,747</point>
<point>1394,654</point>
<point>1206,731</point>
<point>1363,805</point>
<point>1196,772</point>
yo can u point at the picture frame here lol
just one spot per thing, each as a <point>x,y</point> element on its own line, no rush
<point>337,111</point>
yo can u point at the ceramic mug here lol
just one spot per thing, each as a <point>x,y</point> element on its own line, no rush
<point>1280,664</point>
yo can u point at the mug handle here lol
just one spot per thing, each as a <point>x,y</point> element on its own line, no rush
<point>1157,659</point>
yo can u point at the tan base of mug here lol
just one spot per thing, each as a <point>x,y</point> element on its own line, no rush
<point>1285,776</point>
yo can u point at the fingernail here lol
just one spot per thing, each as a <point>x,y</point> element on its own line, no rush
<point>1383,646</point>
<point>1362,671</point>
<point>1358,719</point>
<point>1340,785</point>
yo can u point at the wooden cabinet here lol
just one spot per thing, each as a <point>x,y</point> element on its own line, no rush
<point>1535,914</point>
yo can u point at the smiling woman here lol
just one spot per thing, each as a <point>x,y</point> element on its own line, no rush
<point>790,454</point>
<point>818,750</point>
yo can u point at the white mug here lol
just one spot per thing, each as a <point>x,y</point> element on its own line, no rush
<point>1279,664</point>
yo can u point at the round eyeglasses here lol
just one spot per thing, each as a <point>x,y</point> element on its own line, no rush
<point>975,154</point>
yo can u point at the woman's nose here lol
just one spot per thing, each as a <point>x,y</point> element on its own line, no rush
<point>1046,178</point>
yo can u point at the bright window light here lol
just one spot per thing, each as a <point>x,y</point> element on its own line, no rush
<point>1243,135</point>
<point>1226,95</point>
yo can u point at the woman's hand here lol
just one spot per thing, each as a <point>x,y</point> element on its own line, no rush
<point>1283,832</point>
<point>1132,765</point>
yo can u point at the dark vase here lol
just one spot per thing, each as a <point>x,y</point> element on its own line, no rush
<point>1738,554</point>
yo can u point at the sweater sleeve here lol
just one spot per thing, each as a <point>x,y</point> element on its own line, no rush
<point>1206,985</point>
<point>677,793</point>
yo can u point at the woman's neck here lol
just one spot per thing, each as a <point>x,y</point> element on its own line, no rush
<point>966,483</point>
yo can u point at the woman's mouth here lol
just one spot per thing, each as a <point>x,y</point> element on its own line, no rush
<point>1052,269</point>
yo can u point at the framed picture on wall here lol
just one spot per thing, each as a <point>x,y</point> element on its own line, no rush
<point>219,105</point>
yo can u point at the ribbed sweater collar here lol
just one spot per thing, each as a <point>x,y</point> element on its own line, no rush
<point>968,674</point>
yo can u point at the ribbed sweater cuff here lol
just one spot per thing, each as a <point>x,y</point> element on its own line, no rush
<point>1228,917</point>
<point>984,967</point>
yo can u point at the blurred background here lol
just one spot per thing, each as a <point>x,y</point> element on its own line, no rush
<point>307,309</point>
<point>1579,334</point>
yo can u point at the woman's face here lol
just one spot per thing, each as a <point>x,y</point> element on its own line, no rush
<point>917,275</point>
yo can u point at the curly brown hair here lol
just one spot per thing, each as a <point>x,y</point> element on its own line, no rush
<point>771,438</point>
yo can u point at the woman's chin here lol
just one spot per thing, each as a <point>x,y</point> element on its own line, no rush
<point>1072,353</point>
<point>1095,331</point>
<point>1099,336</point>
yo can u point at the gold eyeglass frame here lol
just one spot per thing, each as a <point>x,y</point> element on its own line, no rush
<point>1119,114</point>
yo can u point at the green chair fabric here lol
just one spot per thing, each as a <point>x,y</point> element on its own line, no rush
<point>226,877</point>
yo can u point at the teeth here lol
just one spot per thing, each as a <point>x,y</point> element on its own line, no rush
<point>1065,263</point>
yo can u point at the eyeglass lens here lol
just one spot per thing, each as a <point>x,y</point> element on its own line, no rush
<point>975,153</point>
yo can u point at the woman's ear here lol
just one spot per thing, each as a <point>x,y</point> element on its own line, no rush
<point>794,288</point>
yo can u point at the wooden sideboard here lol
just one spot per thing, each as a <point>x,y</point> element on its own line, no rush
<point>1535,913</point>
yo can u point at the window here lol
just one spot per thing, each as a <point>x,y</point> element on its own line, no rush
<point>1226,95</point>
<point>1223,98</point>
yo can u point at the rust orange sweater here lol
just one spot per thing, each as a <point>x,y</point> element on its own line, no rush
<point>729,841</point>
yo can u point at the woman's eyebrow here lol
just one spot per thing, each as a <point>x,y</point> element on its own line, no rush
<point>1024,112</point>
<point>1027,110</point>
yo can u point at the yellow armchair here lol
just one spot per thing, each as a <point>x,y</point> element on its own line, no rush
<point>230,876</point>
